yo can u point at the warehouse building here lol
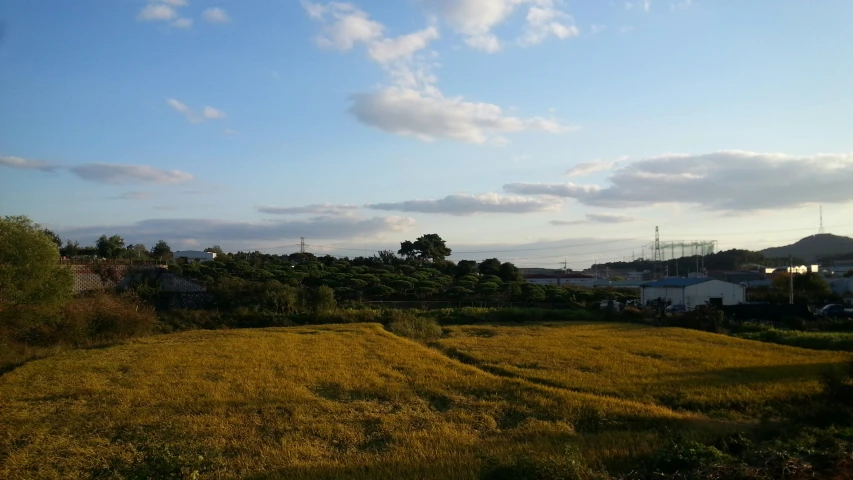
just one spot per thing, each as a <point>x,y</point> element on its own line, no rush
<point>693,291</point>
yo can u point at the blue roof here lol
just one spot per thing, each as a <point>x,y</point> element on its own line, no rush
<point>677,282</point>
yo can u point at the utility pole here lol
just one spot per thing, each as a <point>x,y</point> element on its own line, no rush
<point>791,279</point>
<point>565,264</point>
<point>301,244</point>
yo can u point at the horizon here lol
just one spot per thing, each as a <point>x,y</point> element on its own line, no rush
<point>535,129</point>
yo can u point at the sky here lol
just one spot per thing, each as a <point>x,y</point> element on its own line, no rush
<point>538,131</point>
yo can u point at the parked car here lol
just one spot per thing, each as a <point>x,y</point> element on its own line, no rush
<point>675,309</point>
<point>836,310</point>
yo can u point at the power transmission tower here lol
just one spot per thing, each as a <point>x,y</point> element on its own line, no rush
<point>821,231</point>
<point>658,256</point>
<point>791,279</point>
<point>565,264</point>
<point>301,244</point>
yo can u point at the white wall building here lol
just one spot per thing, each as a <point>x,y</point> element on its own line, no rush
<point>560,279</point>
<point>693,291</point>
<point>195,255</point>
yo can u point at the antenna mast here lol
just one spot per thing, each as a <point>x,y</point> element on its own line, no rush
<point>658,256</point>
<point>821,231</point>
<point>302,245</point>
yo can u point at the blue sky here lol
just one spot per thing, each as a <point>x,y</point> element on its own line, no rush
<point>518,123</point>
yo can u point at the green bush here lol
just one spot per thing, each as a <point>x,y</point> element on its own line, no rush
<point>406,324</point>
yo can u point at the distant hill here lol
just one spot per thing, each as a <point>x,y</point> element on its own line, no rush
<point>813,247</point>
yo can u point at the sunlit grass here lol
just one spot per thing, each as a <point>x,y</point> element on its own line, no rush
<point>355,401</point>
<point>680,368</point>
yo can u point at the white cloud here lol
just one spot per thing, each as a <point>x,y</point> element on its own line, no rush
<point>212,113</point>
<point>174,3</point>
<point>208,113</point>
<point>465,204</point>
<point>316,209</point>
<point>486,42</point>
<point>593,218</point>
<point>118,174</point>
<point>344,25</point>
<point>156,12</point>
<point>583,169</point>
<point>597,28</point>
<point>476,20</point>
<point>183,23</point>
<point>228,131</point>
<point>569,189</point>
<point>413,105</point>
<point>234,235</point>
<point>647,5</point>
<point>405,111</point>
<point>24,164</point>
<point>215,15</point>
<point>389,49</point>
<point>544,21</point>
<point>722,181</point>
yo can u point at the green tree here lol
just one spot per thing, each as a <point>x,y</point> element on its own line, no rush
<point>509,272</point>
<point>53,237</point>
<point>161,251</point>
<point>31,279</point>
<point>848,274</point>
<point>465,267</point>
<point>430,247</point>
<point>490,266</point>
<point>322,299</point>
<point>70,249</point>
<point>214,249</point>
<point>111,247</point>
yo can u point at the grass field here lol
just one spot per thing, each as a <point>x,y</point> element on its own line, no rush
<point>677,368</point>
<point>354,401</point>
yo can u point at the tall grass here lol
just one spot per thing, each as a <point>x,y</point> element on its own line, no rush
<point>339,401</point>
<point>673,367</point>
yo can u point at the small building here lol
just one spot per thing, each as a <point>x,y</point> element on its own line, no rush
<point>192,255</point>
<point>693,291</point>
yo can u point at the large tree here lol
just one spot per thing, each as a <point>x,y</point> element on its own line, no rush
<point>161,251</point>
<point>112,247</point>
<point>429,247</point>
<point>31,279</point>
<point>489,266</point>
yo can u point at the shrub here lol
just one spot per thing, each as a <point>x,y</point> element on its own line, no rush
<point>408,325</point>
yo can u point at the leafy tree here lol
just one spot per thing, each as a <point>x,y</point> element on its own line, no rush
<point>215,249</point>
<point>386,257</point>
<point>53,237</point>
<point>490,266</point>
<point>70,249</point>
<point>532,293</point>
<point>161,251</point>
<point>111,247</point>
<point>465,267</point>
<point>322,299</point>
<point>509,272</point>
<point>429,247</point>
<point>849,274</point>
<point>31,278</point>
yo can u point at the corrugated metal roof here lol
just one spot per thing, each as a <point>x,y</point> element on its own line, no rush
<point>677,282</point>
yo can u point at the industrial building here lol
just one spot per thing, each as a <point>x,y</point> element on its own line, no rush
<point>192,255</point>
<point>560,279</point>
<point>691,292</point>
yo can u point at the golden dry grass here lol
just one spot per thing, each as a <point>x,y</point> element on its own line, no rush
<point>684,369</point>
<point>354,401</point>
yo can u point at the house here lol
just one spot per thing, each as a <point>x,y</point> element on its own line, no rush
<point>693,291</point>
<point>801,269</point>
<point>195,255</point>
<point>560,279</point>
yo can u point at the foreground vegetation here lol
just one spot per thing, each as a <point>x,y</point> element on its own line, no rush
<point>356,401</point>
<point>842,341</point>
